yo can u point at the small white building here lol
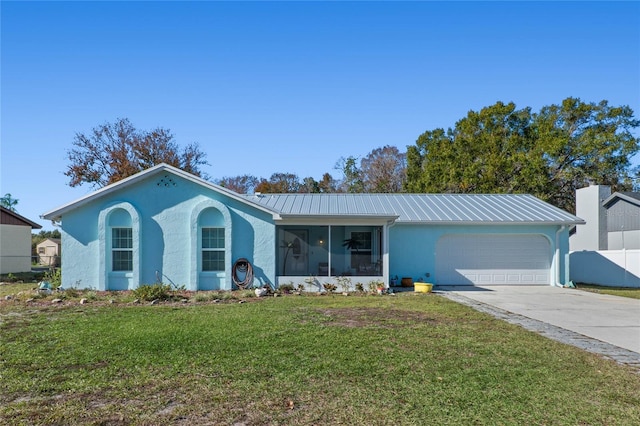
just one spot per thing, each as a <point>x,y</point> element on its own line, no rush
<point>49,252</point>
<point>15,242</point>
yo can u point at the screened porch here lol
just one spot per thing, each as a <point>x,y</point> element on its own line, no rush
<point>309,253</point>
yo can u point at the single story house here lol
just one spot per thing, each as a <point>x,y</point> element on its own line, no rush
<point>164,224</point>
<point>15,241</point>
<point>49,252</point>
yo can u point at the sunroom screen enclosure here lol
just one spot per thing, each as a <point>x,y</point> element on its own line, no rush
<point>329,251</point>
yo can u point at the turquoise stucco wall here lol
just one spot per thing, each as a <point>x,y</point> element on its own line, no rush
<point>165,205</point>
<point>412,248</point>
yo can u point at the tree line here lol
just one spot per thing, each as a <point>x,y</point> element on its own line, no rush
<point>498,149</point>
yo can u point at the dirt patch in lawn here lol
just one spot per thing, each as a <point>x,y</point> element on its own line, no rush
<point>374,317</point>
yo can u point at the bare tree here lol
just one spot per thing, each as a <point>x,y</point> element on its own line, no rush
<point>114,151</point>
<point>384,170</point>
<point>280,183</point>
<point>244,184</point>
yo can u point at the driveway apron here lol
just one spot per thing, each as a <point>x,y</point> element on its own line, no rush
<point>610,319</point>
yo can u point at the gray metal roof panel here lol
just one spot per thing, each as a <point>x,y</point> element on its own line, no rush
<point>418,208</point>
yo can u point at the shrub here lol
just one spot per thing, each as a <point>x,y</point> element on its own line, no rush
<point>201,297</point>
<point>374,285</point>
<point>286,288</point>
<point>344,283</point>
<point>227,295</point>
<point>330,287</point>
<point>149,292</point>
<point>244,294</point>
<point>54,277</point>
<point>72,293</point>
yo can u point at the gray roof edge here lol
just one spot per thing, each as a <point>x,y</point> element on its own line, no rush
<point>494,222</point>
<point>551,206</point>
<point>622,196</point>
<point>56,214</point>
<point>339,216</point>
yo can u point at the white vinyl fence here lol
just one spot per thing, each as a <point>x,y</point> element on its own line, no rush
<point>619,268</point>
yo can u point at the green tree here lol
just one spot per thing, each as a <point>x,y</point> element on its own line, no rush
<point>586,143</point>
<point>328,184</point>
<point>549,154</point>
<point>114,151</point>
<point>8,202</point>
<point>352,175</point>
<point>310,186</point>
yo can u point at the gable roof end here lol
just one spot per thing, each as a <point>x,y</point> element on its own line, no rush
<point>631,197</point>
<point>17,219</point>
<point>57,213</point>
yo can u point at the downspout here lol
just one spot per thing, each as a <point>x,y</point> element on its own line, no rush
<point>385,260</point>
<point>329,251</point>
<point>557,268</point>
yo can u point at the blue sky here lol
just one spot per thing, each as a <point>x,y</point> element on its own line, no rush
<point>290,86</point>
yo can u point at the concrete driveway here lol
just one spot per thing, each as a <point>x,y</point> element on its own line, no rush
<point>611,319</point>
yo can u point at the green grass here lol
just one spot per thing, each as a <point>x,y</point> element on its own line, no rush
<point>23,276</point>
<point>407,359</point>
<point>633,293</point>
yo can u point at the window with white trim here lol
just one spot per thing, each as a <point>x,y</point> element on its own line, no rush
<point>213,249</point>
<point>121,249</point>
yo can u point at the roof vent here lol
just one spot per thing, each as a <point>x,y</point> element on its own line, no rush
<point>166,181</point>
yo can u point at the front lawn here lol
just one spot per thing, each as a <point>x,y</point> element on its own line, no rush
<point>633,293</point>
<point>405,359</point>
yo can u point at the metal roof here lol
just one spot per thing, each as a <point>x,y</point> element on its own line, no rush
<point>420,208</point>
<point>407,208</point>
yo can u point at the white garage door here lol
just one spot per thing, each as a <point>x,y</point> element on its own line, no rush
<point>478,259</point>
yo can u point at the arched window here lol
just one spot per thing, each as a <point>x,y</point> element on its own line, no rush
<point>212,240</point>
<point>121,241</point>
<point>211,230</point>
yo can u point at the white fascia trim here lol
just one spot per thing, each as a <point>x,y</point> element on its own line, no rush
<point>56,214</point>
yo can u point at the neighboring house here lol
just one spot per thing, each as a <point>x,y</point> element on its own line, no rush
<point>612,220</point>
<point>15,242</point>
<point>606,250</point>
<point>165,224</point>
<point>49,252</point>
<point>623,220</point>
